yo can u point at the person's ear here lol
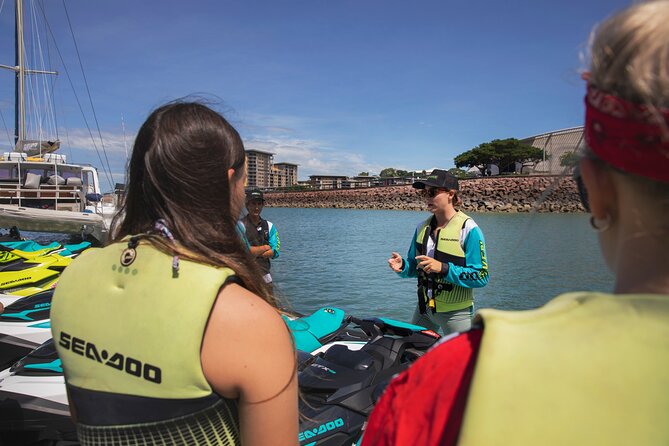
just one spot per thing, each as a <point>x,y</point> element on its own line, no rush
<point>602,189</point>
<point>231,173</point>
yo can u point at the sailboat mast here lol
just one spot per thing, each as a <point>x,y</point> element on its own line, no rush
<point>19,96</point>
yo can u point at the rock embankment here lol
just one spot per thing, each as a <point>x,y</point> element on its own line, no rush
<point>511,194</point>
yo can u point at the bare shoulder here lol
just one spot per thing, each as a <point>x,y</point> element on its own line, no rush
<point>236,307</point>
<point>245,337</point>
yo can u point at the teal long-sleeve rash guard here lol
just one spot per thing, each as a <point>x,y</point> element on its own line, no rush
<point>475,272</point>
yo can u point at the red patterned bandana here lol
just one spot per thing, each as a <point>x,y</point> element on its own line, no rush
<point>630,137</point>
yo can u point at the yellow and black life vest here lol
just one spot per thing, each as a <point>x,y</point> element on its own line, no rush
<point>447,296</point>
<point>587,369</point>
<point>129,332</point>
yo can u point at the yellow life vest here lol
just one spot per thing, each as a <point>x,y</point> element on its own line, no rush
<point>447,296</point>
<point>129,336</point>
<point>586,369</point>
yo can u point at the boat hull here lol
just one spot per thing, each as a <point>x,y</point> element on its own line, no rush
<point>49,220</point>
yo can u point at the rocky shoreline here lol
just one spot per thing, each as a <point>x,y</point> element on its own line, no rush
<point>489,194</point>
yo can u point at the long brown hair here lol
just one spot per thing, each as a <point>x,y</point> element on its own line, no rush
<point>178,172</point>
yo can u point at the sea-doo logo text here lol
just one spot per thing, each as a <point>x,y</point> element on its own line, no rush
<point>320,430</point>
<point>117,361</point>
<point>322,367</point>
<point>22,279</point>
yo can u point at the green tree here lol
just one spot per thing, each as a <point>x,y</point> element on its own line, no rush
<point>458,173</point>
<point>363,174</point>
<point>502,152</point>
<point>402,173</point>
<point>569,159</point>
<point>388,172</point>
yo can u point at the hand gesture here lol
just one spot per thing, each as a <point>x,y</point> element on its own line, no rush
<point>428,264</point>
<point>395,262</point>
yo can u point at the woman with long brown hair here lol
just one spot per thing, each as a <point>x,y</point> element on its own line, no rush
<point>169,335</point>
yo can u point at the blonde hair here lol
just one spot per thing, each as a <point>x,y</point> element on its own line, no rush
<point>630,54</point>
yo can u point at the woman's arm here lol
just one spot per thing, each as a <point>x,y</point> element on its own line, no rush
<point>475,272</point>
<point>248,353</point>
<point>410,263</point>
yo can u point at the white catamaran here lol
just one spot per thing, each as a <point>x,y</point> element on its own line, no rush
<point>39,189</point>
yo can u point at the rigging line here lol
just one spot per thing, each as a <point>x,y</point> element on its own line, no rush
<point>2,5</point>
<point>74,91</point>
<point>47,104</point>
<point>33,112</point>
<point>9,137</point>
<point>34,82</point>
<point>52,81</point>
<point>67,135</point>
<point>88,91</point>
<point>534,211</point>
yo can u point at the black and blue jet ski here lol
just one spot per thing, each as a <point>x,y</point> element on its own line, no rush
<point>340,386</point>
<point>24,326</point>
<point>344,363</point>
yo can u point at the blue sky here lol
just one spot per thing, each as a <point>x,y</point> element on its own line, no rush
<point>338,87</point>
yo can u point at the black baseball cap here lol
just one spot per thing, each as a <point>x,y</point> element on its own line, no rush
<point>438,178</point>
<point>254,194</point>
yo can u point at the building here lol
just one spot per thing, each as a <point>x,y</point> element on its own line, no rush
<point>284,175</point>
<point>557,146</point>
<point>259,168</point>
<point>327,181</point>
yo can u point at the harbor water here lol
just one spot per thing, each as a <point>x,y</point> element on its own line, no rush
<point>338,257</point>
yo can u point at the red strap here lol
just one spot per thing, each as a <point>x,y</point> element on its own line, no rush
<point>633,138</point>
<point>426,403</point>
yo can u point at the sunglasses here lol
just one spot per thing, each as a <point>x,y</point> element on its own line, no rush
<point>432,192</point>
<point>582,191</point>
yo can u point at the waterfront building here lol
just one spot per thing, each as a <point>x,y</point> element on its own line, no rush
<point>558,147</point>
<point>259,168</point>
<point>327,181</point>
<point>284,175</point>
<point>263,173</point>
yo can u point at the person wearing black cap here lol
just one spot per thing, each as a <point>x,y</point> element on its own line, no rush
<point>261,234</point>
<point>447,255</point>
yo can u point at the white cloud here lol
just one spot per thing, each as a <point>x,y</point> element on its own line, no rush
<point>281,135</point>
<point>270,134</point>
<point>114,143</point>
<point>312,157</point>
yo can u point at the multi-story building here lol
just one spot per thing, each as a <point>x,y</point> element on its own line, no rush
<point>259,168</point>
<point>327,181</point>
<point>284,175</point>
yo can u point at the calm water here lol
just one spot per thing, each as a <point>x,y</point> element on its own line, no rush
<point>338,257</point>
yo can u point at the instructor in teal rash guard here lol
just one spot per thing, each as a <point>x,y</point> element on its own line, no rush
<point>447,255</point>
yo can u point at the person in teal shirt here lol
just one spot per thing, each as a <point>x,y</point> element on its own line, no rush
<point>447,254</point>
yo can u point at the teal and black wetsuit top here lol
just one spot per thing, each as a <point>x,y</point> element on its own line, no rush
<point>129,335</point>
<point>264,233</point>
<point>460,247</point>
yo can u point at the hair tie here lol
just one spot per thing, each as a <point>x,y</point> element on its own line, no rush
<point>161,226</point>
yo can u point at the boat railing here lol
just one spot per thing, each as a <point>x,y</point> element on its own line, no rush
<point>46,196</point>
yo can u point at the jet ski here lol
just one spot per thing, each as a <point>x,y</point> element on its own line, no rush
<point>33,402</point>
<point>28,273</point>
<point>340,386</point>
<point>33,396</point>
<point>24,326</point>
